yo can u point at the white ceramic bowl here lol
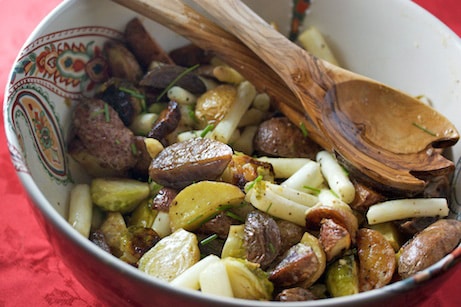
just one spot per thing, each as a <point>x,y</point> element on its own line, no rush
<point>393,41</point>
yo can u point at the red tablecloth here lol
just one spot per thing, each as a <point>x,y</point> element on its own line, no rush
<point>30,272</point>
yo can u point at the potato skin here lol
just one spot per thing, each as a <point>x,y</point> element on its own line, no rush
<point>183,163</point>
<point>429,246</point>
<point>377,261</point>
<point>279,137</point>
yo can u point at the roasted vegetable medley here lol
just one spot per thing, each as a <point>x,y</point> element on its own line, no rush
<point>198,180</point>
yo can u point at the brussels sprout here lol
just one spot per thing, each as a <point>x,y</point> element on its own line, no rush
<point>342,277</point>
<point>234,245</point>
<point>143,215</point>
<point>135,241</point>
<point>171,256</point>
<point>111,228</point>
<point>118,194</point>
<point>247,280</point>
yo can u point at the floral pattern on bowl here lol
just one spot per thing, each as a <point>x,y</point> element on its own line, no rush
<point>52,72</point>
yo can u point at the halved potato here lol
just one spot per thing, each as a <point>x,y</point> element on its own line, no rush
<point>201,201</point>
<point>377,261</point>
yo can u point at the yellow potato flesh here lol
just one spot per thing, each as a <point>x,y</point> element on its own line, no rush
<point>200,202</point>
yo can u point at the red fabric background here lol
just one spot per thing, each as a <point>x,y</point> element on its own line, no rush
<point>30,272</point>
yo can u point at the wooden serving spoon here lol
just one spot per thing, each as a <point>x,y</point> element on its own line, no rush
<point>184,20</point>
<point>320,87</point>
<point>387,136</point>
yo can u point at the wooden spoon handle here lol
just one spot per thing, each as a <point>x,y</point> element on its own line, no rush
<point>201,31</point>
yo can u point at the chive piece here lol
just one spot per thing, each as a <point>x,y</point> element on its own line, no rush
<point>117,141</point>
<point>134,149</point>
<point>234,216</point>
<point>424,129</point>
<point>334,193</point>
<point>135,94</point>
<point>207,129</point>
<point>191,113</point>
<point>271,248</point>
<point>185,72</point>
<point>106,112</point>
<point>252,184</point>
<point>303,129</point>
<point>198,217</point>
<point>209,239</point>
<point>268,208</point>
<point>131,92</point>
<point>312,189</point>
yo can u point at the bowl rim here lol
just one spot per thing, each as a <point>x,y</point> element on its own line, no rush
<point>37,199</point>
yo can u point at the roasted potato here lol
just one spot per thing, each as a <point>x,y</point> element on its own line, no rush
<point>428,246</point>
<point>201,201</point>
<point>377,262</point>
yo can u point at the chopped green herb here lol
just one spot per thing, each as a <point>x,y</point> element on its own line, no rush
<point>312,189</point>
<point>136,95</point>
<point>96,113</point>
<point>207,129</point>
<point>191,113</point>
<point>106,113</point>
<point>334,193</point>
<point>252,184</point>
<point>188,70</point>
<point>198,217</point>
<point>269,207</point>
<point>303,129</point>
<point>272,248</point>
<point>133,93</point>
<point>224,207</point>
<point>117,141</point>
<point>234,216</point>
<point>134,149</point>
<point>209,239</point>
<point>424,129</point>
